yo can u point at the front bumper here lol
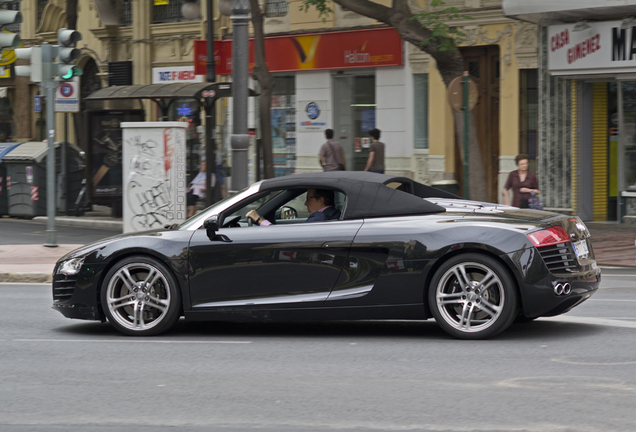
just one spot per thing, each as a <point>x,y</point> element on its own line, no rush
<point>77,296</point>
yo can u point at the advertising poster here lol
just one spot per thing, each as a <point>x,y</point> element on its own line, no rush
<point>105,152</point>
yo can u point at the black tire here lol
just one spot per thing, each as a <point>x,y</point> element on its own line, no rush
<point>140,297</point>
<point>463,306</point>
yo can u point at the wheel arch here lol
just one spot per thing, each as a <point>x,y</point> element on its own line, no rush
<point>148,253</point>
<point>467,249</point>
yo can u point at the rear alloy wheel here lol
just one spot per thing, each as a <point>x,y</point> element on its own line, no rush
<point>140,297</point>
<point>473,297</point>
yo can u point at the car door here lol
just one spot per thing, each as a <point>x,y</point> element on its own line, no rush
<point>282,265</point>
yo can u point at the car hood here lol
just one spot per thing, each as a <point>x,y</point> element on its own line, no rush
<point>91,247</point>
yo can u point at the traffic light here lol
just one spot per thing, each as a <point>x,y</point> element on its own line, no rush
<point>67,54</point>
<point>7,38</point>
<point>34,70</point>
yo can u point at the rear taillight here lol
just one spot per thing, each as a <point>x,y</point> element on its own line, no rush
<point>548,237</point>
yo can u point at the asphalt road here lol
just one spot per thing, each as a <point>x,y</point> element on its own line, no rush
<point>21,232</point>
<point>571,373</point>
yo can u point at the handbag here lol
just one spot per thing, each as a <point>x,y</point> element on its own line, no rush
<point>341,166</point>
<point>534,202</point>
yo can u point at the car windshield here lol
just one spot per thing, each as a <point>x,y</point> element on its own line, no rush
<point>197,220</point>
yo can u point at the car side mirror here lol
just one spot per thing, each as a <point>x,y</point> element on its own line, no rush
<point>211,224</point>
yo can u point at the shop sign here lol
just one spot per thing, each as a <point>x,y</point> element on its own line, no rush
<point>333,50</point>
<point>602,48</point>
<point>201,56</point>
<point>313,117</point>
<point>166,75</point>
<point>5,72</point>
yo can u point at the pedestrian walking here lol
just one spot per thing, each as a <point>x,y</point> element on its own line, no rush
<point>331,155</point>
<point>375,163</point>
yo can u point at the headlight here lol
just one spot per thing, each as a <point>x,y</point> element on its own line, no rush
<point>71,266</point>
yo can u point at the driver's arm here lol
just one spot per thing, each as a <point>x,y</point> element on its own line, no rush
<point>258,219</point>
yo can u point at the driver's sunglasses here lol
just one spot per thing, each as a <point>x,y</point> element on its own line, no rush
<point>310,197</point>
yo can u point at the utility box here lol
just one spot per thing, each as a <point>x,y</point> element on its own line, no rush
<point>154,174</point>
<point>5,183</point>
<point>26,166</point>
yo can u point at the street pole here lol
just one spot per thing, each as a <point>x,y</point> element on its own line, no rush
<point>240,58</point>
<point>213,194</point>
<point>50,86</point>
<point>466,125</point>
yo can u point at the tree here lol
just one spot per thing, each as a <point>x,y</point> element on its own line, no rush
<point>430,33</point>
<point>266,80</point>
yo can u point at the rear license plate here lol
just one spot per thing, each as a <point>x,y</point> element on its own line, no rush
<point>581,250</point>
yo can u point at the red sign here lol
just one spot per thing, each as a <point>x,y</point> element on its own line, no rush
<point>333,50</point>
<point>34,193</point>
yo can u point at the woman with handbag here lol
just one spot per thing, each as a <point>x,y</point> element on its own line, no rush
<point>524,184</point>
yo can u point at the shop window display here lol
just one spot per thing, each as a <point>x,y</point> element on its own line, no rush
<point>283,119</point>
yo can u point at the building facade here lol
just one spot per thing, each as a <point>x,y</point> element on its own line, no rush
<point>398,89</point>
<point>587,88</point>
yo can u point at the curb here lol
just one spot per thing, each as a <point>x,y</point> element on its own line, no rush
<point>27,277</point>
<point>86,223</point>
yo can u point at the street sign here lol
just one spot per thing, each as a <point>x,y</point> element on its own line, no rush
<point>37,103</point>
<point>67,97</point>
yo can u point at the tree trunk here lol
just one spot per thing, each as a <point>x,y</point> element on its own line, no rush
<point>266,80</point>
<point>450,65</point>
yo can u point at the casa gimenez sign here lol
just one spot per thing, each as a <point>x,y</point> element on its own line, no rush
<point>602,48</point>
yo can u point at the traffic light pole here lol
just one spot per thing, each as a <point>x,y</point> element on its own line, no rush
<point>50,86</point>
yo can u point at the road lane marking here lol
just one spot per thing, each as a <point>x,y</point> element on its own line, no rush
<point>595,321</point>
<point>130,341</point>
<point>611,300</point>
<point>576,362</point>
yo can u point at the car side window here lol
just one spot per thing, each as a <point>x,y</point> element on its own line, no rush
<point>282,207</point>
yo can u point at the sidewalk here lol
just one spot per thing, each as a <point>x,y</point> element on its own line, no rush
<point>613,244</point>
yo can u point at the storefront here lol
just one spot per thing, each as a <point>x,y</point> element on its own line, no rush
<point>588,87</point>
<point>330,80</point>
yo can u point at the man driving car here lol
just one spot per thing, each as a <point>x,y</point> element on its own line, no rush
<point>319,203</point>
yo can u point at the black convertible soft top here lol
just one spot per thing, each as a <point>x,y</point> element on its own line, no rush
<point>368,193</point>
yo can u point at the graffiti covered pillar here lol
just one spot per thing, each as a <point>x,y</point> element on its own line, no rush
<point>154,174</point>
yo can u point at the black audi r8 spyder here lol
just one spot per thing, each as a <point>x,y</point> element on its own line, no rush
<point>397,250</point>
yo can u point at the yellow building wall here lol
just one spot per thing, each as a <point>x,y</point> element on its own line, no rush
<point>442,132</point>
<point>441,139</point>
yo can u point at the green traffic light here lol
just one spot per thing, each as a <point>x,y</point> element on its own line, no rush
<point>74,71</point>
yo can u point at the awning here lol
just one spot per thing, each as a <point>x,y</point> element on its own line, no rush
<point>164,94</point>
<point>549,12</point>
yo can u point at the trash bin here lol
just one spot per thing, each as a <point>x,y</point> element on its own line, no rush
<point>447,185</point>
<point>4,185</point>
<point>26,165</point>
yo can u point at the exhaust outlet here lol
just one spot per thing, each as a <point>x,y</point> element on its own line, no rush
<point>567,288</point>
<point>558,289</point>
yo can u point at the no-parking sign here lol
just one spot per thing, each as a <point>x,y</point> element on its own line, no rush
<point>67,97</point>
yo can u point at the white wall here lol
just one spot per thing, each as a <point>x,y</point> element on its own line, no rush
<point>391,112</point>
<point>312,85</point>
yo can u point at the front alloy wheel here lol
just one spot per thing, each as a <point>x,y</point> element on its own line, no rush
<point>140,297</point>
<point>473,297</point>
